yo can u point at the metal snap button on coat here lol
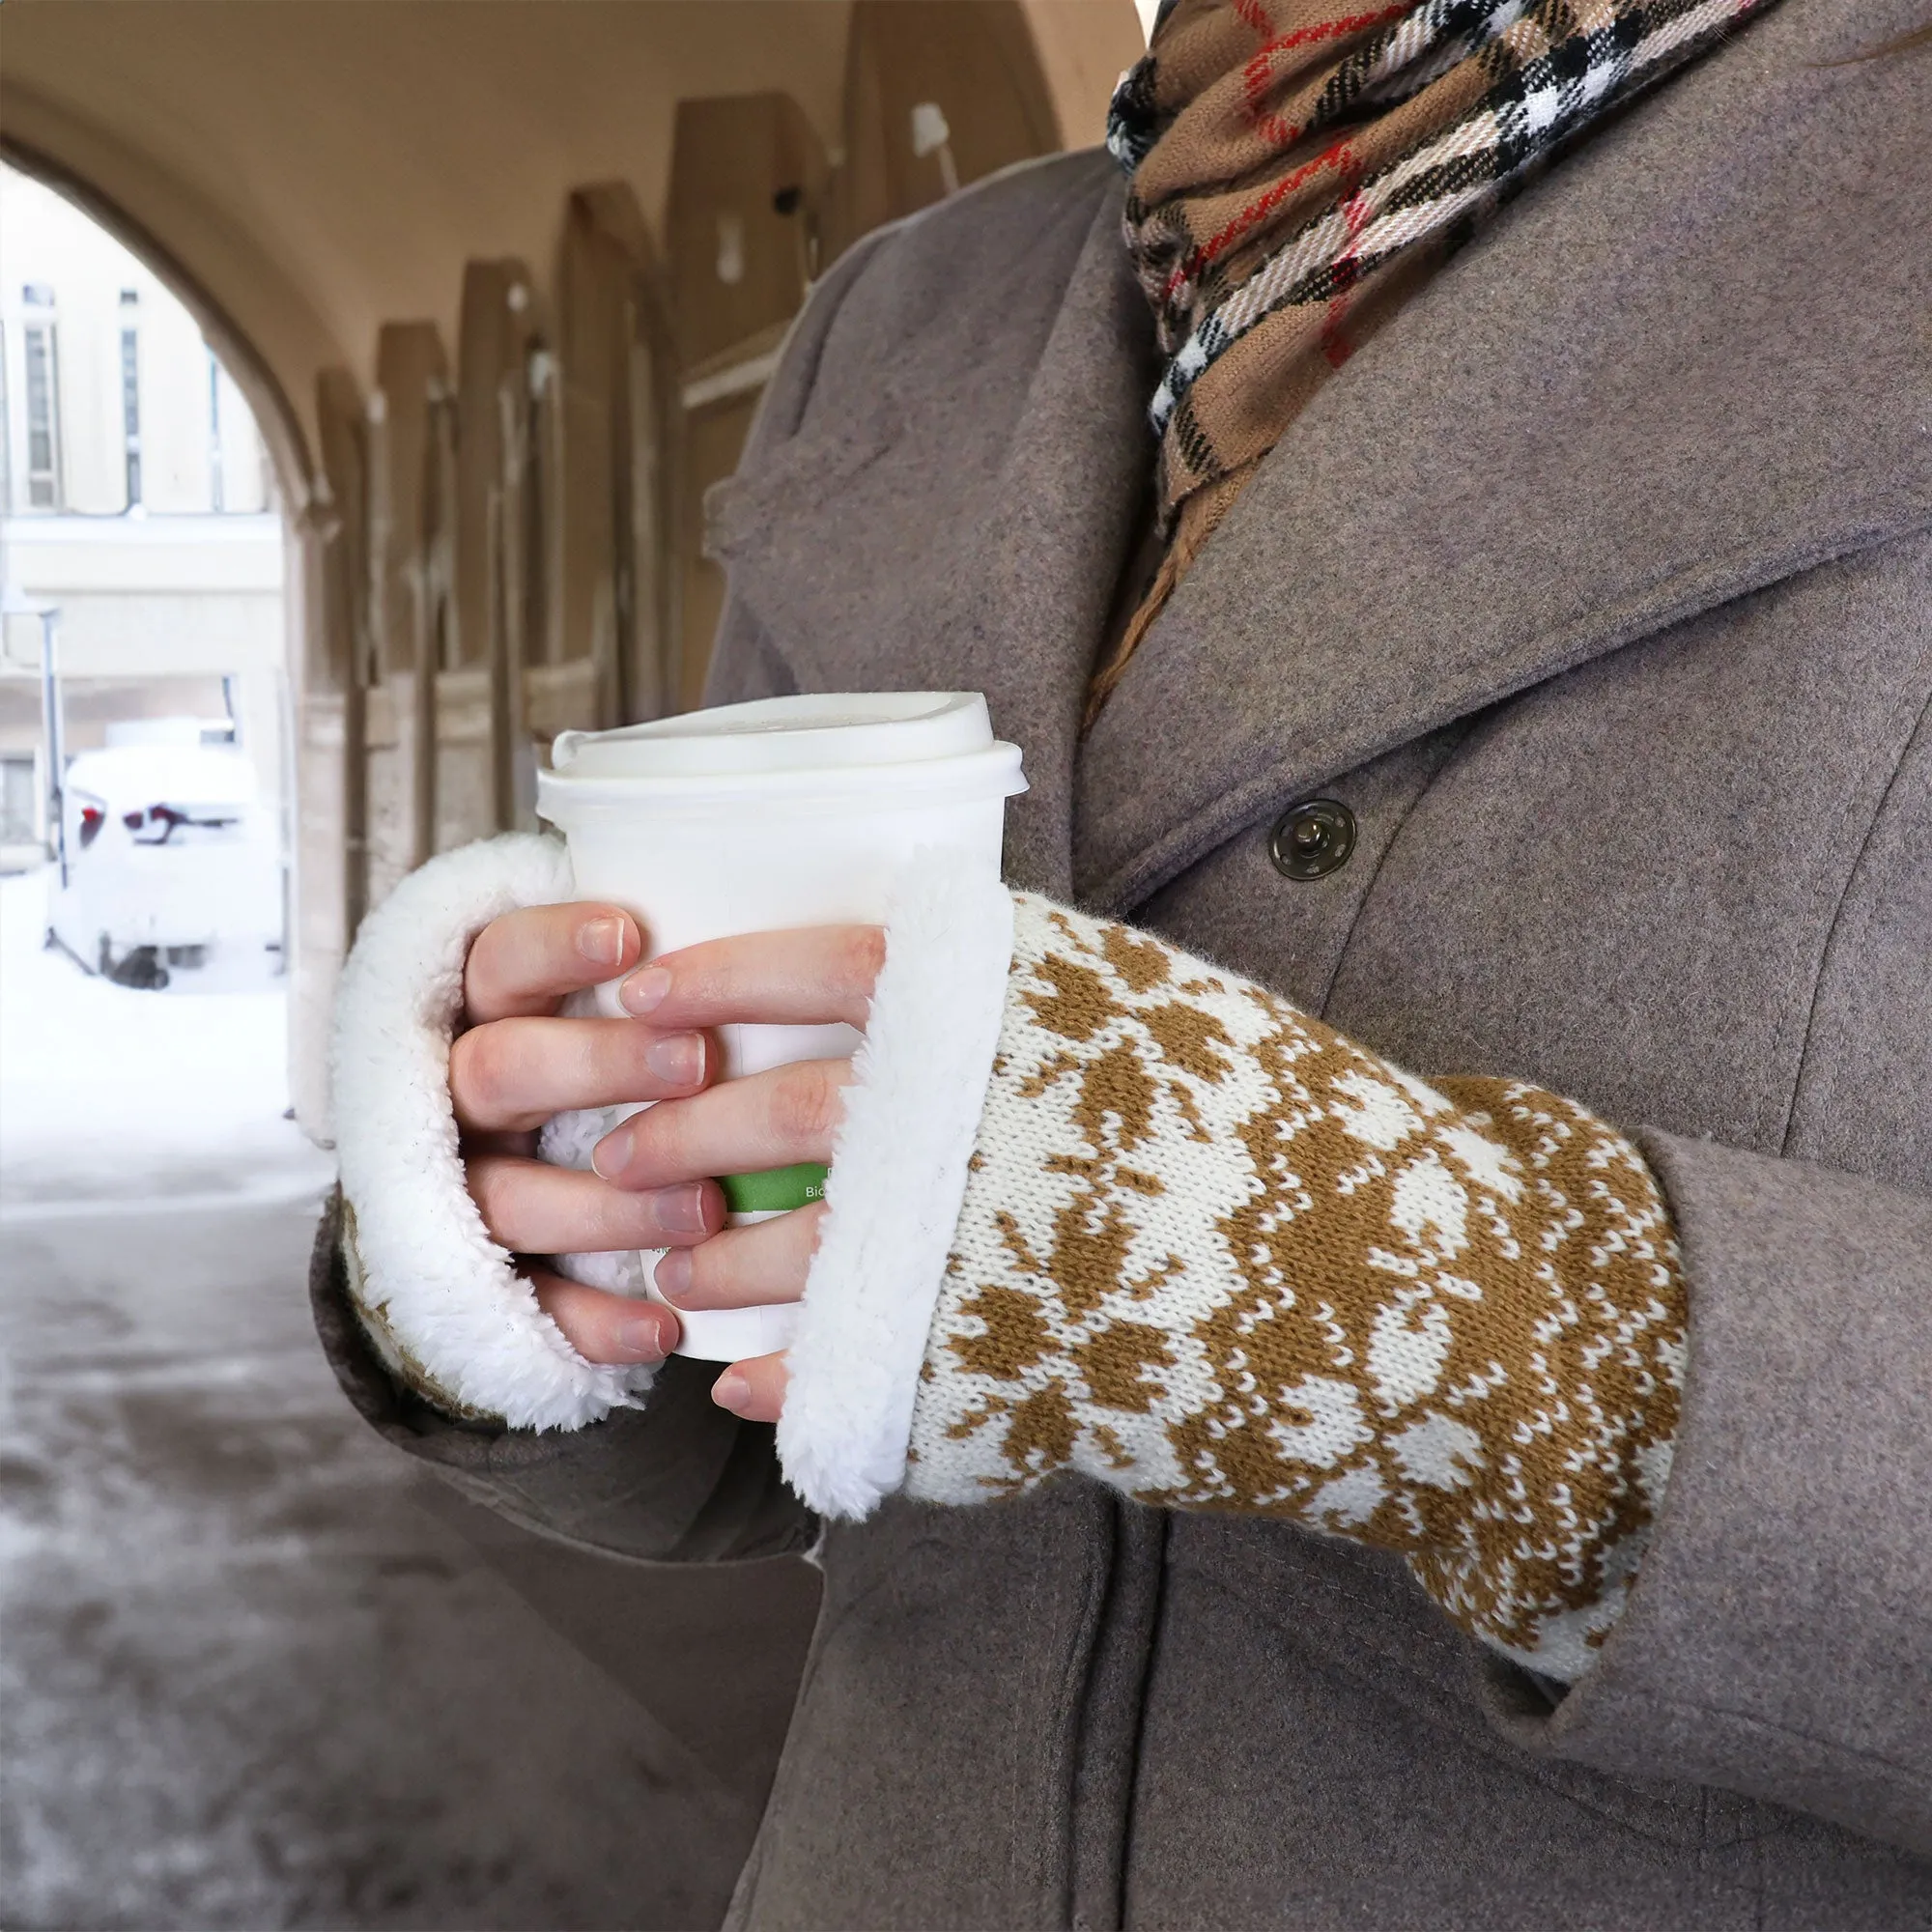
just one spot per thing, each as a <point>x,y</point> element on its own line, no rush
<point>1312,839</point>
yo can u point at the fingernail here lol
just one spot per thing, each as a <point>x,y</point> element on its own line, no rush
<point>678,1058</point>
<point>644,992</point>
<point>601,941</point>
<point>731,1391</point>
<point>673,1275</point>
<point>681,1209</point>
<point>611,1156</point>
<point>642,1337</point>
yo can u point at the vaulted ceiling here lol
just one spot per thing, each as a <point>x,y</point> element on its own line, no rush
<point>310,169</point>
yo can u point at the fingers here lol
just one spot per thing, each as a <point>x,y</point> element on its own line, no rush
<point>755,1389</point>
<point>525,961</point>
<point>606,1327</point>
<point>533,1208</point>
<point>512,1075</point>
<point>745,1267</point>
<point>809,977</point>
<point>615,1329</point>
<point>741,1126</point>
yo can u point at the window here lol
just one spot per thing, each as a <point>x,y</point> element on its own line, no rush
<point>131,391</point>
<point>18,817</point>
<point>40,356</point>
<point>214,485</point>
<point>6,435</point>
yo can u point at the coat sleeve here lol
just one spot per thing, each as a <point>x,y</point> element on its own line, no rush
<point>678,1480</point>
<point>1779,1643</point>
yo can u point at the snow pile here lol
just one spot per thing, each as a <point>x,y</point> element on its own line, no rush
<point>112,1095</point>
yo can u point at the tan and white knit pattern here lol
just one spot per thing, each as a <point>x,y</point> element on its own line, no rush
<point>1217,1255</point>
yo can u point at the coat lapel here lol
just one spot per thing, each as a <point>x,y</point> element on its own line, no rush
<point>964,525</point>
<point>1688,362</point>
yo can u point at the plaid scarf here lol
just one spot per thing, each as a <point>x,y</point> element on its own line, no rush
<point>1296,167</point>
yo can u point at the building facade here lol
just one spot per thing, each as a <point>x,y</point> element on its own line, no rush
<point>136,498</point>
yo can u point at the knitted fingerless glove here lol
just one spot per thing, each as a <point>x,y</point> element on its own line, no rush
<point>1216,1255</point>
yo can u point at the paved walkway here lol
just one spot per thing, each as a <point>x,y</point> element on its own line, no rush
<point>247,1678</point>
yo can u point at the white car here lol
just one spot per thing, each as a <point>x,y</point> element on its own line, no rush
<point>173,861</point>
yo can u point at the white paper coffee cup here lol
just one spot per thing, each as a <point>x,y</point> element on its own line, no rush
<point>788,811</point>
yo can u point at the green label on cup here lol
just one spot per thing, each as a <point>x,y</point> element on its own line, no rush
<point>774,1191</point>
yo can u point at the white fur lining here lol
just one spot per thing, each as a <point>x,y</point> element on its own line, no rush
<point>443,1302</point>
<point>439,1297</point>
<point>897,1178</point>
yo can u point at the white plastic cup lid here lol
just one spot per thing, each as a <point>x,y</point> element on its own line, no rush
<point>830,732</point>
<point>839,744</point>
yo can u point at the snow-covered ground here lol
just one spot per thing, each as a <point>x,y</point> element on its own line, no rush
<point>108,1093</point>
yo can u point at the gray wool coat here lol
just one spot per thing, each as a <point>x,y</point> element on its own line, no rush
<point>1599,587</point>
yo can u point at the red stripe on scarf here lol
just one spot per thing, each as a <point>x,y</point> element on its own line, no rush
<point>1256,211</point>
<point>1259,71</point>
<point>1335,347</point>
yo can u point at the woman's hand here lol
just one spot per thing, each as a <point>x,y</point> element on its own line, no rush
<point>518,1064</point>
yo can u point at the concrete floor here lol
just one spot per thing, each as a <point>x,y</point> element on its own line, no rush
<point>250,1679</point>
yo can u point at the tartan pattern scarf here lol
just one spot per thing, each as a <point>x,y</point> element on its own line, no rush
<point>1297,166</point>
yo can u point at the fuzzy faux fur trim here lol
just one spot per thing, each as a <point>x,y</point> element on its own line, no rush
<point>897,1178</point>
<point>441,1300</point>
